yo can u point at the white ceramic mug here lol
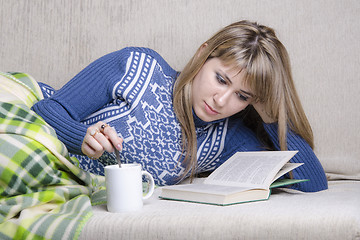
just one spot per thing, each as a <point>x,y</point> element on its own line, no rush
<point>124,187</point>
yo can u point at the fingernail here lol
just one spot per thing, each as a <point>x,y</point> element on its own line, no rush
<point>119,147</point>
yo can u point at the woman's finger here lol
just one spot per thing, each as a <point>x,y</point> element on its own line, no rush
<point>100,137</point>
<point>112,136</point>
<point>91,147</point>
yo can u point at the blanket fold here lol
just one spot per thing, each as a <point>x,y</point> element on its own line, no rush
<point>43,192</point>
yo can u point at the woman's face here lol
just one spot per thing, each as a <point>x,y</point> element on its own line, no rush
<point>219,91</point>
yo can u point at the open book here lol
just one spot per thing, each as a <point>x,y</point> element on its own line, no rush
<point>244,177</point>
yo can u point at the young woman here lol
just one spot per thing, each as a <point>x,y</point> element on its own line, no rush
<point>235,94</point>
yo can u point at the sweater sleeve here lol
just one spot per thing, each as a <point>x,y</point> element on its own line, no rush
<point>87,92</point>
<point>311,169</point>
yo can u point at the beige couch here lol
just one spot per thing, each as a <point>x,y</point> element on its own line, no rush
<point>53,40</point>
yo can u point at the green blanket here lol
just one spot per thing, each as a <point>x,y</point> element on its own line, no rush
<point>43,192</point>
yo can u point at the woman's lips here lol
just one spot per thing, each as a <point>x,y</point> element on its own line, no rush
<point>210,110</point>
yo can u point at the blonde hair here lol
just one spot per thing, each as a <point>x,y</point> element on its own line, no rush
<point>256,49</point>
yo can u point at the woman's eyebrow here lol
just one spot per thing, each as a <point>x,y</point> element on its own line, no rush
<point>226,76</point>
<point>248,93</point>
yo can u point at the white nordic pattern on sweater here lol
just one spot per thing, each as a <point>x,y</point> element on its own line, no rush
<point>142,114</point>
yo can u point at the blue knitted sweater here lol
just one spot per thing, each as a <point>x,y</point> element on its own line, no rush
<point>131,90</point>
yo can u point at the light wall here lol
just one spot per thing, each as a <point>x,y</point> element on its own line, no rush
<point>54,39</point>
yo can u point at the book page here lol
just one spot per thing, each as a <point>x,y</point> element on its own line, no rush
<point>255,169</point>
<point>206,188</point>
<point>287,168</point>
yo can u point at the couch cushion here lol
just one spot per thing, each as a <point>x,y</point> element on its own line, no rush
<point>329,214</point>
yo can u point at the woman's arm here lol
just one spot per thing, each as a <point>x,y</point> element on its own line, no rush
<point>87,92</point>
<point>241,138</point>
<point>311,169</point>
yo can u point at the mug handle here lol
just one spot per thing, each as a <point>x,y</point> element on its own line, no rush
<point>151,184</point>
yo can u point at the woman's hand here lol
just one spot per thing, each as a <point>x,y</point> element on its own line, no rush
<point>100,137</point>
<point>260,108</point>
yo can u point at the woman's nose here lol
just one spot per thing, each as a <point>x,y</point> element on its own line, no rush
<point>221,98</point>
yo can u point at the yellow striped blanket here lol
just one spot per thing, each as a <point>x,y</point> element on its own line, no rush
<point>43,192</point>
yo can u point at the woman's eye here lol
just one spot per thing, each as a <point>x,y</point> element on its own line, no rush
<point>243,97</point>
<point>220,78</point>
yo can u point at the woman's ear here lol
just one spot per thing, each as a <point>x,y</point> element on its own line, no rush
<point>202,49</point>
<point>203,46</point>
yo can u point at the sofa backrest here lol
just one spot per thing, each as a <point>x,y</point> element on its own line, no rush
<point>53,40</point>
